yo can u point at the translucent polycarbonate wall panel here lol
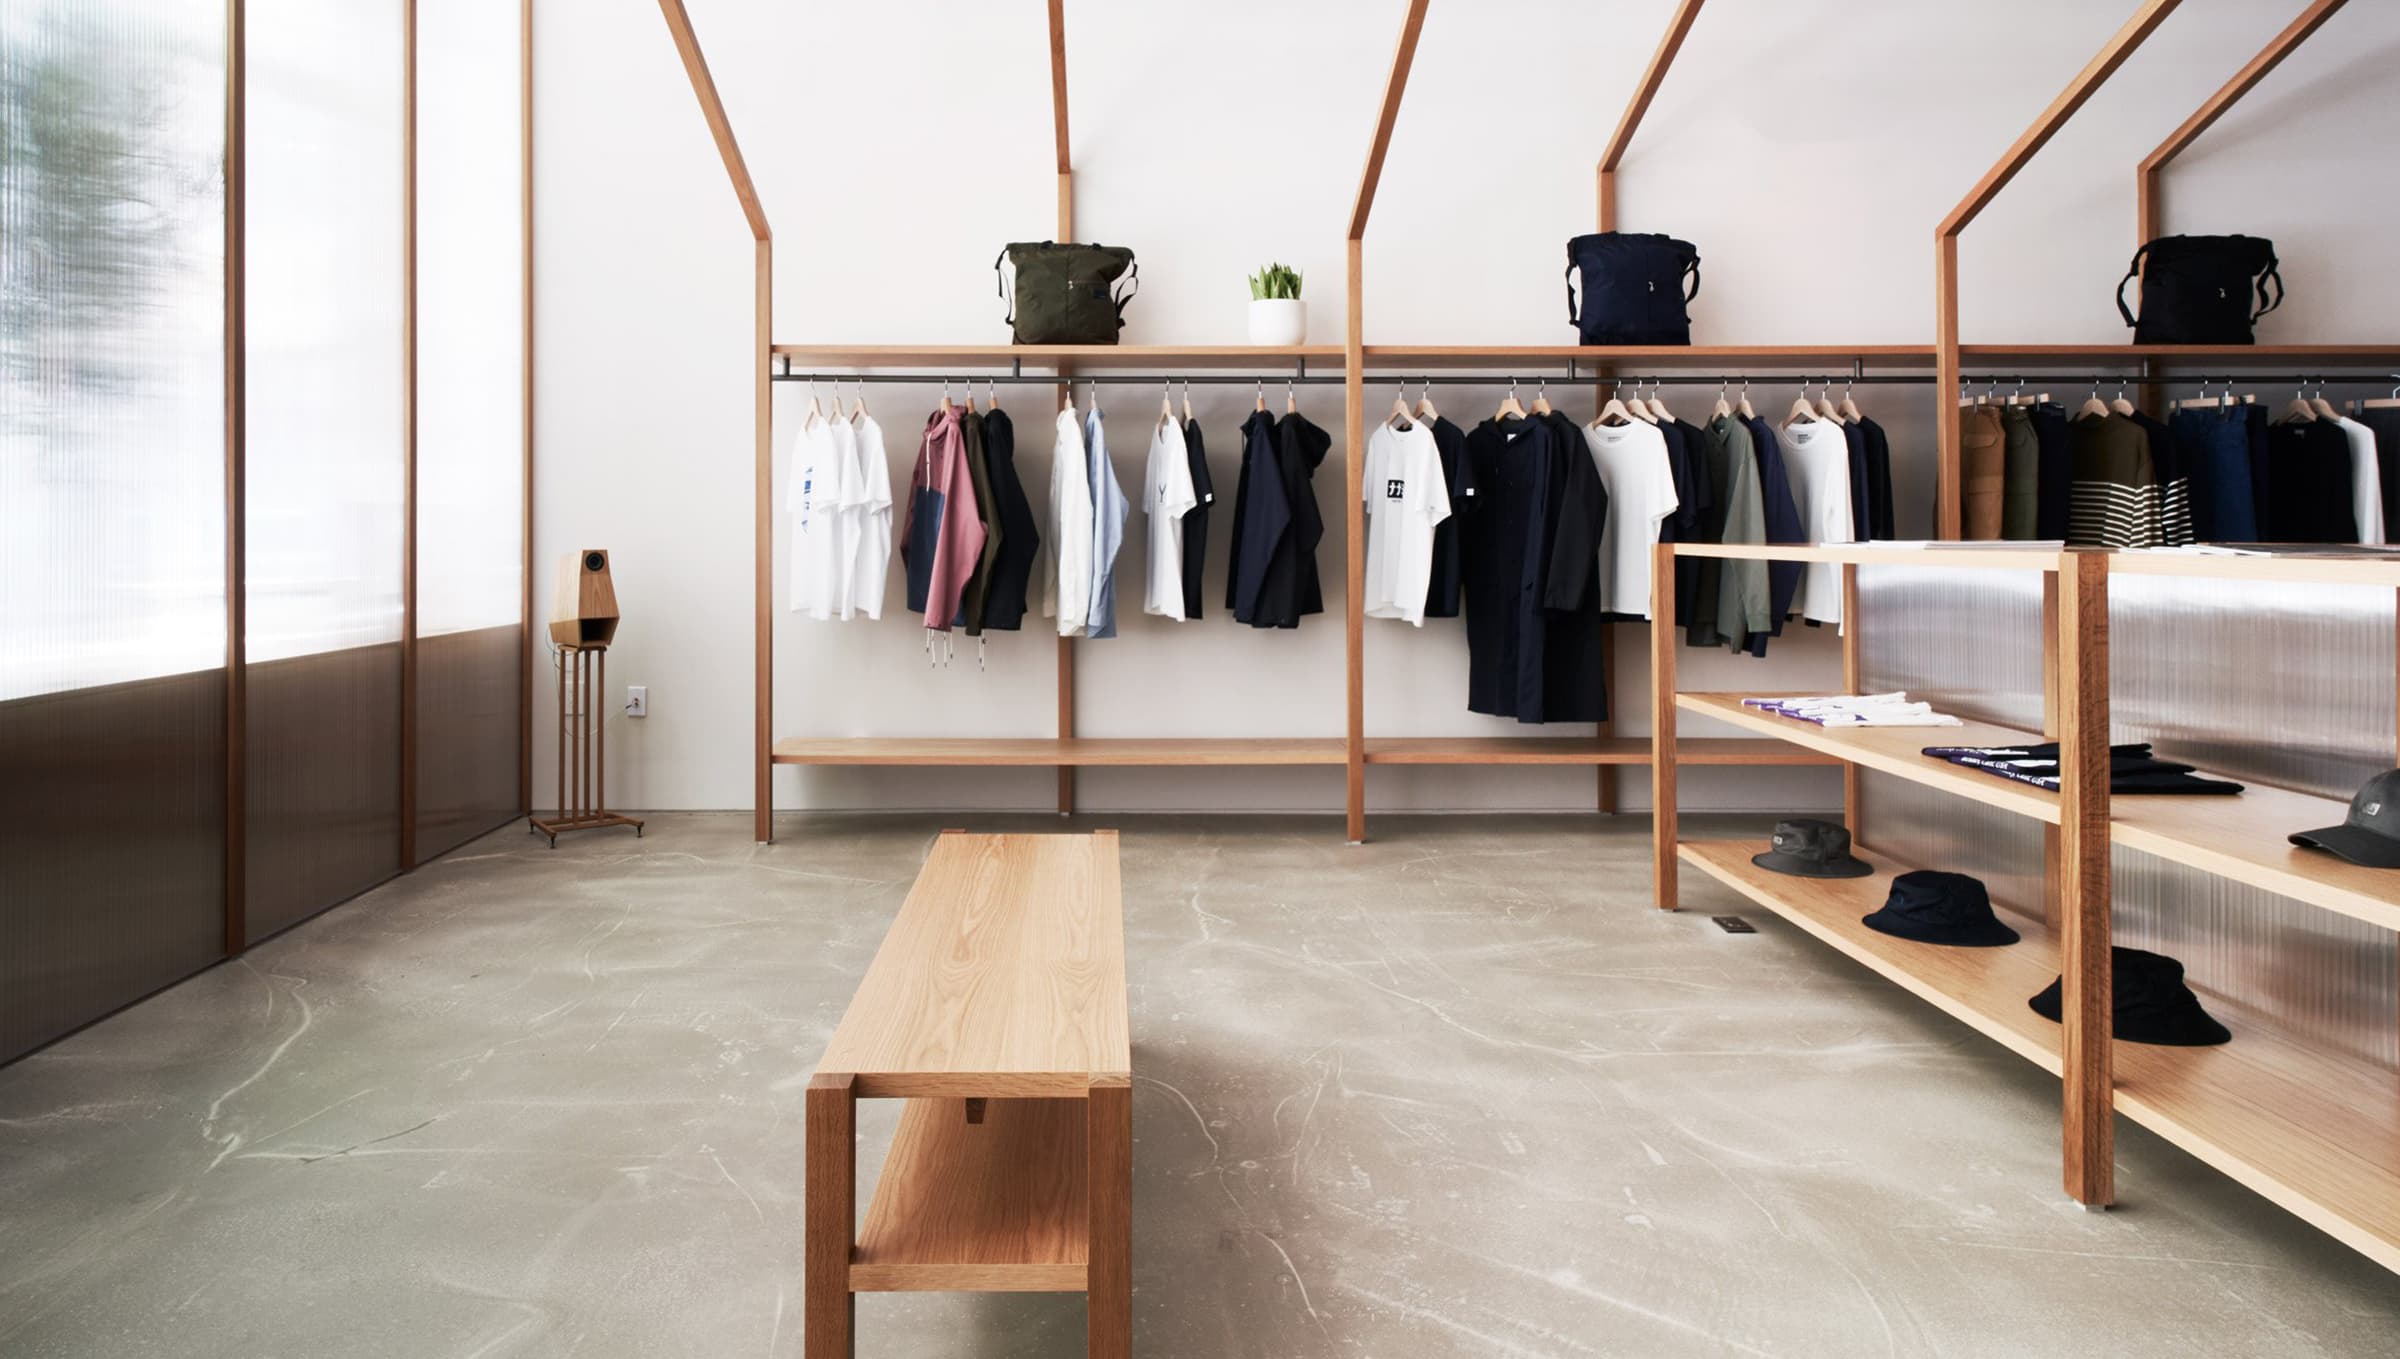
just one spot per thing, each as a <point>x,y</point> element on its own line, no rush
<point>470,419</point>
<point>112,342</point>
<point>325,307</point>
<point>2279,686</point>
<point>326,459</point>
<point>470,318</point>
<point>112,506</point>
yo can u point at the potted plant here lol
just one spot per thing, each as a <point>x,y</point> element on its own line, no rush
<point>1277,316</point>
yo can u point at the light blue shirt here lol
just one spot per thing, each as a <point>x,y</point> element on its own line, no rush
<point>1109,509</point>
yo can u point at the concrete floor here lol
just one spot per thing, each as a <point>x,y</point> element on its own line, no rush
<point>1455,1093</point>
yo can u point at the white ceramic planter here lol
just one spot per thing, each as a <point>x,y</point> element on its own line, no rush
<point>1278,321</point>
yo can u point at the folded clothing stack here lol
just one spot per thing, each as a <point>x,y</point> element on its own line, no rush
<point>2131,768</point>
<point>1855,710</point>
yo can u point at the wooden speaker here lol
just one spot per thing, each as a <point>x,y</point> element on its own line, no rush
<point>584,612</point>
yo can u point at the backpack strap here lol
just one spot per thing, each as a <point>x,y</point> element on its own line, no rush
<point>1133,279</point>
<point>2270,276</point>
<point>1000,285</point>
<point>1692,272</point>
<point>2132,271</point>
<point>1569,276</point>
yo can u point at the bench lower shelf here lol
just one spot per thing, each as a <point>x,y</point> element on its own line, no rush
<point>1001,1206</point>
<point>2317,1134</point>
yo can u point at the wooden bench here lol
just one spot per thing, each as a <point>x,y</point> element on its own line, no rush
<point>996,1008</point>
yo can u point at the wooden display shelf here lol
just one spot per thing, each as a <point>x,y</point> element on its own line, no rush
<point>1073,356</point>
<point>2194,356</point>
<point>999,1206</point>
<point>1581,750</point>
<point>1047,751</point>
<point>2242,837</point>
<point>1893,750</point>
<point>1940,556</point>
<point>1808,359</point>
<point>2317,1134</point>
<point>2308,568</point>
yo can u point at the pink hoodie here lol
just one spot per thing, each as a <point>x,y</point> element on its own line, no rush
<point>943,538</point>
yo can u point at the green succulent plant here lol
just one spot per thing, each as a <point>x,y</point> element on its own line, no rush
<point>1275,281</point>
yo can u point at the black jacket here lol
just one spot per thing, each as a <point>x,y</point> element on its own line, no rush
<point>1020,536</point>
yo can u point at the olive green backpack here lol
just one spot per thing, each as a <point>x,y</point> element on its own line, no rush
<point>1063,292</point>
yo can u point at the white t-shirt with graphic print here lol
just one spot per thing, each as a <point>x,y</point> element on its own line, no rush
<point>1405,498</point>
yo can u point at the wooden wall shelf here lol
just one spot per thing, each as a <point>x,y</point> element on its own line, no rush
<point>1057,356</point>
<point>2194,356</point>
<point>1579,750</point>
<point>1804,359</point>
<point>1051,751</point>
<point>2317,1134</point>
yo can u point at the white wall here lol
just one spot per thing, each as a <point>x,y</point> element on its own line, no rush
<point>1807,146</point>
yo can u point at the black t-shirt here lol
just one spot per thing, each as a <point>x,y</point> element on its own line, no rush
<point>2313,501</point>
<point>1529,555</point>
<point>1879,482</point>
<point>1195,519</point>
<point>1020,535</point>
<point>1260,517</point>
<point>1288,586</point>
<point>1458,478</point>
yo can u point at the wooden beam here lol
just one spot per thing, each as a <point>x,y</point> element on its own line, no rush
<point>1652,77</point>
<point>1853,682</point>
<point>408,436</point>
<point>828,1215</point>
<point>2087,82</point>
<point>762,584</point>
<point>1395,85</point>
<point>1058,89</point>
<point>1663,820</point>
<point>525,651</point>
<point>704,88</point>
<point>2146,178</point>
<point>1354,549</point>
<point>2087,1009</point>
<point>237,426</point>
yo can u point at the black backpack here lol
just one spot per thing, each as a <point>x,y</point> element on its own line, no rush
<point>1065,293</point>
<point>1633,287</point>
<point>2197,289</point>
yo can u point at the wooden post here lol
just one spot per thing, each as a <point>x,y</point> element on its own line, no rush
<point>829,1212</point>
<point>2146,19</point>
<point>1663,830</point>
<point>2051,863</point>
<point>525,614</point>
<point>1063,159</point>
<point>1395,86</point>
<point>1354,554</point>
<point>762,579</point>
<point>2084,953</point>
<point>1108,1155</point>
<point>1853,682</point>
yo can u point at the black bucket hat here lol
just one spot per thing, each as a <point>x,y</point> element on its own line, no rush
<point>2370,835</point>
<point>2152,1003</point>
<point>1812,849</point>
<point>1940,908</point>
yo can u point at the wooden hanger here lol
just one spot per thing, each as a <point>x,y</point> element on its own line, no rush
<point>1614,413</point>
<point>946,407</point>
<point>1262,395</point>
<point>1801,412</point>
<point>814,411</point>
<point>2322,407</point>
<point>1399,418</point>
<point>1425,410</point>
<point>1849,410</point>
<point>1508,404</point>
<point>1723,410</point>
<point>2121,405</point>
<point>1166,405</point>
<point>1541,398</point>
<point>1659,414</point>
<point>1291,399</point>
<point>1187,401</point>
<point>1742,407</point>
<point>2298,411</point>
<point>858,402</point>
<point>2092,406</point>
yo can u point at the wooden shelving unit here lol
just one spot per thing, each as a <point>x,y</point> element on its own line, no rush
<point>1591,360</point>
<point>1063,358</point>
<point>1576,750</point>
<point>1048,751</point>
<point>2192,358</point>
<point>2317,1133</point>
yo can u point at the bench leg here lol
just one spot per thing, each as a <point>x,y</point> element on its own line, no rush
<point>1109,1115</point>
<point>831,1216</point>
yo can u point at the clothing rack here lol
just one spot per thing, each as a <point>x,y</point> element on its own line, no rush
<point>1387,378</point>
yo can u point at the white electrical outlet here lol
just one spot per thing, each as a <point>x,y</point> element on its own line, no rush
<point>637,700</point>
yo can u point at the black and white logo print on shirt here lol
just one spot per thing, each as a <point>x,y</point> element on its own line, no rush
<point>1407,464</point>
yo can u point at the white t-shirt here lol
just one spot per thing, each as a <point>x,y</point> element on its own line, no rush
<point>2366,480</point>
<point>1067,566</point>
<point>1641,494</point>
<point>1816,456</point>
<point>1166,495</point>
<point>818,496</point>
<point>1405,498</point>
<point>874,542</point>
